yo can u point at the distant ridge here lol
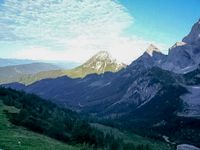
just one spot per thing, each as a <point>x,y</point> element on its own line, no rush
<point>17,72</point>
<point>11,62</point>
<point>100,63</point>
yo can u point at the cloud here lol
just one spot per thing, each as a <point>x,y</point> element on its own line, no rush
<point>37,53</point>
<point>43,53</point>
<point>72,30</point>
<point>61,20</point>
<point>123,49</point>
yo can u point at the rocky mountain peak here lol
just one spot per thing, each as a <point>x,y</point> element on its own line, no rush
<point>194,34</point>
<point>184,56</point>
<point>151,57</point>
<point>102,62</point>
<point>102,55</point>
<point>178,44</point>
<point>151,49</point>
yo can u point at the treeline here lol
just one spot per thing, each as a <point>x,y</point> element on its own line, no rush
<point>47,118</point>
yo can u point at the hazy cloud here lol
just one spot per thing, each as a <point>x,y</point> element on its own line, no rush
<point>80,27</point>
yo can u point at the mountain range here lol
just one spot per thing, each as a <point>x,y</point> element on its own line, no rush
<point>11,62</point>
<point>28,73</point>
<point>156,94</point>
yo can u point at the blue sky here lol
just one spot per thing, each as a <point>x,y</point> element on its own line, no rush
<point>74,30</point>
<point>165,21</point>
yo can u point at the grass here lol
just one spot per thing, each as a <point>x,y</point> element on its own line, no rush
<point>133,138</point>
<point>18,138</point>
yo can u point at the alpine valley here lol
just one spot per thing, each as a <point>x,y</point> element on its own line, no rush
<point>157,96</point>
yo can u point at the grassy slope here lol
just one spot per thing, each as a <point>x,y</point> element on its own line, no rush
<point>133,138</point>
<point>78,72</point>
<point>18,138</point>
<point>73,73</point>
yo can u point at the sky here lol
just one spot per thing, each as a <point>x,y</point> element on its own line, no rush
<point>74,30</point>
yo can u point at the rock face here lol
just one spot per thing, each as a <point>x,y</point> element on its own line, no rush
<point>191,102</point>
<point>194,35</point>
<point>184,56</point>
<point>150,58</point>
<point>187,147</point>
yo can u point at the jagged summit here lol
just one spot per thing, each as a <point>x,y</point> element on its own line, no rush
<point>102,62</point>
<point>102,55</point>
<point>151,49</point>
<point>178,44</point>
<point>150,58</point>
<point>184,56</point>
<point>194,34</point>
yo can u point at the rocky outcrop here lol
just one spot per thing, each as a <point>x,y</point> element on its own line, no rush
<point>187,147</point>
<point>191,102</point>
<point>184,56</point>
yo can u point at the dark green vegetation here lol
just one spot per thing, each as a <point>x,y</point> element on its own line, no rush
<point>192,78</point>
<point>46,118</point>
<point>134,140</point>
<point>18,138</point>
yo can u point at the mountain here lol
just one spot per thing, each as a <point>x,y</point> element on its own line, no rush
<point>184,56</point>
<point>152,49</point>
<point>112,92</point>
<point>39,124</point>
<point>151,57</point>
<point>100,63</point>
<point>44,117</point>
<point>194,35</point>
<point>32,68</point>
<point>139,100</point>
<point>16,72</point>
<point>143,97</point>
